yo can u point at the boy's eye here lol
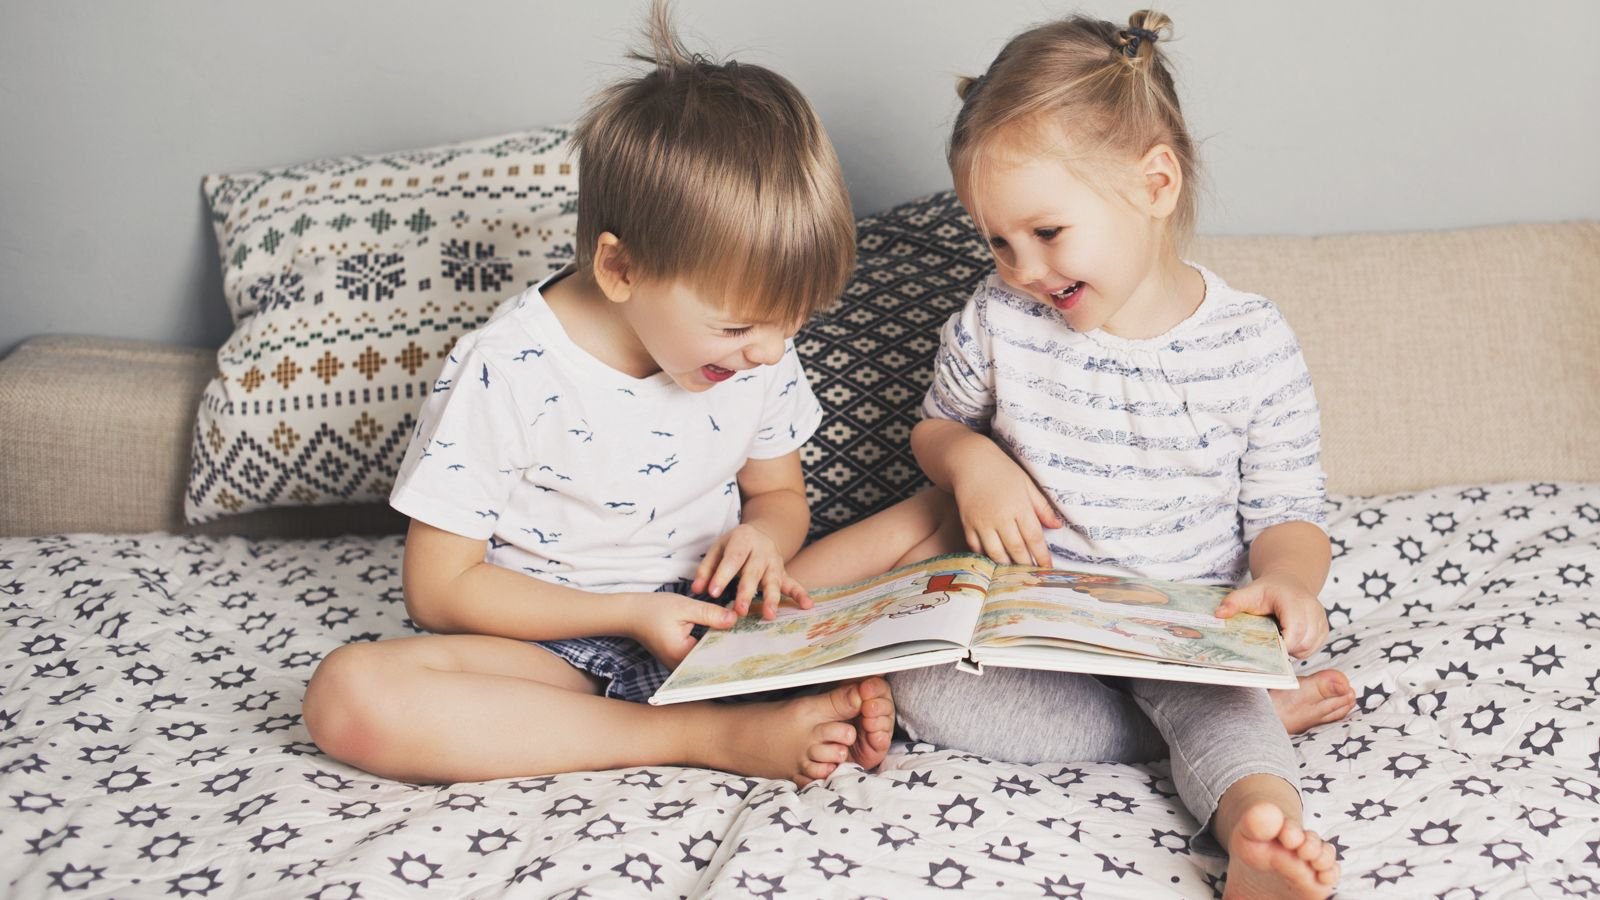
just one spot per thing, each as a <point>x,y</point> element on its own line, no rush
<point>1046,233</point>
<point>738,331</point>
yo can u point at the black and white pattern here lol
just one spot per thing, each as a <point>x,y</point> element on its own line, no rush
<point>151,744</point>
<point>870,360</point>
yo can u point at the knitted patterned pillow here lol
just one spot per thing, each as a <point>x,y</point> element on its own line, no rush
<point>870,360</point>
<point>348,280</point>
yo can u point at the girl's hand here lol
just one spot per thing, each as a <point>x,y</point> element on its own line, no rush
<point>1002,511</point>
<point>1299,613</point>
<point>749,553</point>
<point>664,622</point>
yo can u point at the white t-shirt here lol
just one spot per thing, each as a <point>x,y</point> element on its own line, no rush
<point>1165,456</point>
<point>578,473</point>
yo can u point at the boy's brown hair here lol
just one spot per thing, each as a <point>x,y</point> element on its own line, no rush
<point>718,174</point>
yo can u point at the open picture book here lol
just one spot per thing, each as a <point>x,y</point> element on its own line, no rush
<point>966,610</point>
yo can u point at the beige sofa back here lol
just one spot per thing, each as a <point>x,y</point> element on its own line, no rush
<point>1441,357</point>
<point>1438,357</point>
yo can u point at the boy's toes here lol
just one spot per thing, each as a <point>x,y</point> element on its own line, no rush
<point>814,771</point>
<point>839,734</point>
<point>846,700</point>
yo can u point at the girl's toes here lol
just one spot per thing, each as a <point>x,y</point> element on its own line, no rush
<point>1312,848</point>
<point>1327,859</point>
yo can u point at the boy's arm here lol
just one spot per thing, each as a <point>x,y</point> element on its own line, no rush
<point>772,529</point>
<point>1288,564</point>
<point>449,588</point>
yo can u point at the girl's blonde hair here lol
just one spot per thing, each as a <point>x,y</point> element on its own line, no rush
<point>719,174</point>
<point>1106,89</point>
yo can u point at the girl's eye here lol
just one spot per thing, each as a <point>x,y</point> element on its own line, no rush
<point>1046,233</point>
<point>998,243</point>
<point>738,332</point>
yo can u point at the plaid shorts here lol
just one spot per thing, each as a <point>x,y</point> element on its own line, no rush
<point>628,669</point>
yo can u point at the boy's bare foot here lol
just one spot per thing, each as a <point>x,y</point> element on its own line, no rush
<point>803,739</point>
<point>1322,697</point>
<point>1272,857</point>
<point>875,726</point>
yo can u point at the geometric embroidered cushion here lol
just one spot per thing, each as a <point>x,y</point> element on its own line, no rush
<point>349,280</point>
<point>871,358</point>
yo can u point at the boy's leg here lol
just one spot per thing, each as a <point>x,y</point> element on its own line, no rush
<point>1234,768</point>
<point>1024,715</point>
<point>444,708</point>
<point>925,525</point>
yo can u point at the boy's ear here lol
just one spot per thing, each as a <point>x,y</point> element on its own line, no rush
<point>612,271</point>
<point>1161,181</point>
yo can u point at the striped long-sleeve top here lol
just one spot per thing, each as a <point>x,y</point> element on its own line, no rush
<point>1165,456</point>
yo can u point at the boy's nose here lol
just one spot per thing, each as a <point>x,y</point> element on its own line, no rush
<point>767,348</point>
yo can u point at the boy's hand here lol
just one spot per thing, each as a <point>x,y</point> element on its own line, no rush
<point>664,624</point>
<point>1299,613</point>
<point>749,553</point>
<point>1002,511</point>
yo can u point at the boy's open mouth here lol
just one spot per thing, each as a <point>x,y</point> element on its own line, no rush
<point>1067,297</point>
<point>716,373</point>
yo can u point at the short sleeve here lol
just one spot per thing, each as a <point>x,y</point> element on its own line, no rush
<point>467,451</point>
<point>790,412</point>
<point>962,389</point>
<point>1281,477</point>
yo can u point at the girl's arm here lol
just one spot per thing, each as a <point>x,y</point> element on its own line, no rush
<point>450,589</point>
<point>1001,509</point>
<point>774,521</point>
<point>1288,565</point>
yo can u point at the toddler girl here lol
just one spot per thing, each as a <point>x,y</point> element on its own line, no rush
<point>1102,404</point>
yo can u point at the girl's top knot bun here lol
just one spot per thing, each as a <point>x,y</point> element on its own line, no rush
<point>1137,42</point>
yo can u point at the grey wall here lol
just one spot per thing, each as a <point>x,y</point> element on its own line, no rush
<point>1314,117</point>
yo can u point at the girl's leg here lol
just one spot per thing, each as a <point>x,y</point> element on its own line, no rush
<point>925,525</point>
<point>444,708</point>
<point>1023,715</point>
<point>1234,768</point>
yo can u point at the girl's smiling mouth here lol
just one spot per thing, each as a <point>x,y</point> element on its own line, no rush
<point>1067,297</point>
<point>716,373</point>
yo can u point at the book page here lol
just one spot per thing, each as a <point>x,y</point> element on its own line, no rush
<point>1160,620</point>
<point>934,600</point>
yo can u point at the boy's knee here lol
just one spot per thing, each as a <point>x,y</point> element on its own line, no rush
<point>342,706</point>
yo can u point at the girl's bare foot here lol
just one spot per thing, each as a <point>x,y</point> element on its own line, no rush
<point>875,725</point>
<point>1271,856</point>
<point>1322,697</point>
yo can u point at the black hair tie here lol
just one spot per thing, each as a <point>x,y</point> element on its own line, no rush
<point>1137,36</point>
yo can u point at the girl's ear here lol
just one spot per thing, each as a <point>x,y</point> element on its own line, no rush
<point>612,271</point>
<point>1161,181</point>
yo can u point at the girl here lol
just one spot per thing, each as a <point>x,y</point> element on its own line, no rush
<point>1101,404</point>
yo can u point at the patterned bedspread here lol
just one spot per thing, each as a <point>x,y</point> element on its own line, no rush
<point>151,744</point>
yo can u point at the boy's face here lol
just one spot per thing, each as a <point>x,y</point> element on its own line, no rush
<point>695,341</point>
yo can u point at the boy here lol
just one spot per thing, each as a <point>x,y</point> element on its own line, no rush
<point>618,436</point>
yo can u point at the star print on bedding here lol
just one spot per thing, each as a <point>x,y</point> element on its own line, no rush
<point>151,744</point>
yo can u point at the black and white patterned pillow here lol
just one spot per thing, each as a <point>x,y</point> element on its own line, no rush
<point>870,359</point>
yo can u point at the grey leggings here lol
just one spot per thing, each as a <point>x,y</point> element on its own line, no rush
<point>1217,735</point>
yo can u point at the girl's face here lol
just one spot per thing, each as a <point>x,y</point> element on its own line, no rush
<point>1099,257</point>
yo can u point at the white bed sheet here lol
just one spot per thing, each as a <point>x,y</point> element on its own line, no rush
<point>151,744</point>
